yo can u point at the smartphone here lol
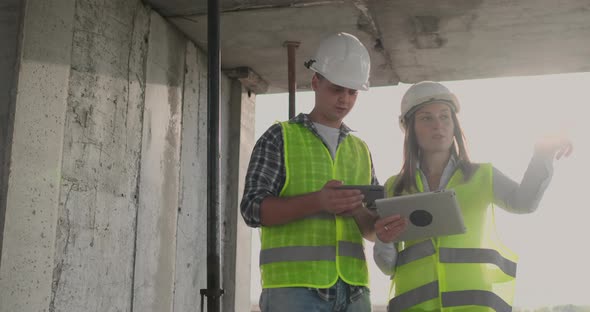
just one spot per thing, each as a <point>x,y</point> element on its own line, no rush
<point>371,192</point>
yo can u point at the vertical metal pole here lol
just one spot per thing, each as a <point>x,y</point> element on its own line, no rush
<point>291,47</point>
<point>214,290</point>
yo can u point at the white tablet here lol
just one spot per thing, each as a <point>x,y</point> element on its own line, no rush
<point>429,214</point>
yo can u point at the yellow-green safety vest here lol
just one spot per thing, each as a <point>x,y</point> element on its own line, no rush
<point>472,272</point>
<point>315,251</point>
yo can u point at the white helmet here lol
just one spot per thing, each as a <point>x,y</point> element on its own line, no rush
<point>423,93</point>
<point>343,60</point>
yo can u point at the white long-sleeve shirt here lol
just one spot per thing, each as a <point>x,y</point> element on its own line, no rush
<point>509,195</point>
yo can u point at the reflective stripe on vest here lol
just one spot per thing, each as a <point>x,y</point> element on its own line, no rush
<point>477,255</point>
<point>413,297</point>
<point>312,253</point>
<point>456,255</point>
<point>474,297</point>
<point>415,252</point>
<point>449,299</point>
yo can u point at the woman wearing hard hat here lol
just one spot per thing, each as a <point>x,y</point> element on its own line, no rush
<point>477,272</point>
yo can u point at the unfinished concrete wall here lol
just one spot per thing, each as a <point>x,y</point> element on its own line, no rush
<point>159,177</point>
<point>106,200</point>
<point>10,22</point>
<point>94,254</point>
<point>191,238</point>
<point>32,198</point>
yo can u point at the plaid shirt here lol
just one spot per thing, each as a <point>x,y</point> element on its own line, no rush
<point>266,177</point>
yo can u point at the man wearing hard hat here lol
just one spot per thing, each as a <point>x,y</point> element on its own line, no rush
<point>312,254</point>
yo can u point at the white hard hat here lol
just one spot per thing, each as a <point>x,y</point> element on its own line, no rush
<point>343,60</point>
<point>423,93</point>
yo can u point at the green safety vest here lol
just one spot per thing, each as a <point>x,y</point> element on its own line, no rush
<point>315,251</point>
<point>466,272</point>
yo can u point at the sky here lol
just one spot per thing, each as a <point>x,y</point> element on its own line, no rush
<point>502,118</point>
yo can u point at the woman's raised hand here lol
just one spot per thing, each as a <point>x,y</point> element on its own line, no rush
<point>554,145</point>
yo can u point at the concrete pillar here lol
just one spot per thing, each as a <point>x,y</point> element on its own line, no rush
<point>237,235</point>
<point>191,240</point>
<point>10,21</point>
<point>155,257</point>
<point>32,197</point>
<point>95,236</point>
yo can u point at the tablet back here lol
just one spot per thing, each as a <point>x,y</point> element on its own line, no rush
<point>429,214</point>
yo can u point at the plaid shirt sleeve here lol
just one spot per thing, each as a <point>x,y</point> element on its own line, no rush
<point>265,176</point>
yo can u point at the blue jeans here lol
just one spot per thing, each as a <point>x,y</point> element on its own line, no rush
<point>302,299</point>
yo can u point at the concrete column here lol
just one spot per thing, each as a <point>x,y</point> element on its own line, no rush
<point>95,235</point>
<point>191,240</point>
<point>237,235</point>
<point>10,21</point>
<point>28,247</point>
<point>155,257</point>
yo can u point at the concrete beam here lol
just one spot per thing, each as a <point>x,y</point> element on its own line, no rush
<point>248,78</point>
<point>32,203</point>
<point>426,34</point>
<point>178,8</point>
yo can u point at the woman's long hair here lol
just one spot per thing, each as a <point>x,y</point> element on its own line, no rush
<point>406,179</point>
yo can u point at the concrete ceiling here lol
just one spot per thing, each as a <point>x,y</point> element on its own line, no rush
<point>408,40</point>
